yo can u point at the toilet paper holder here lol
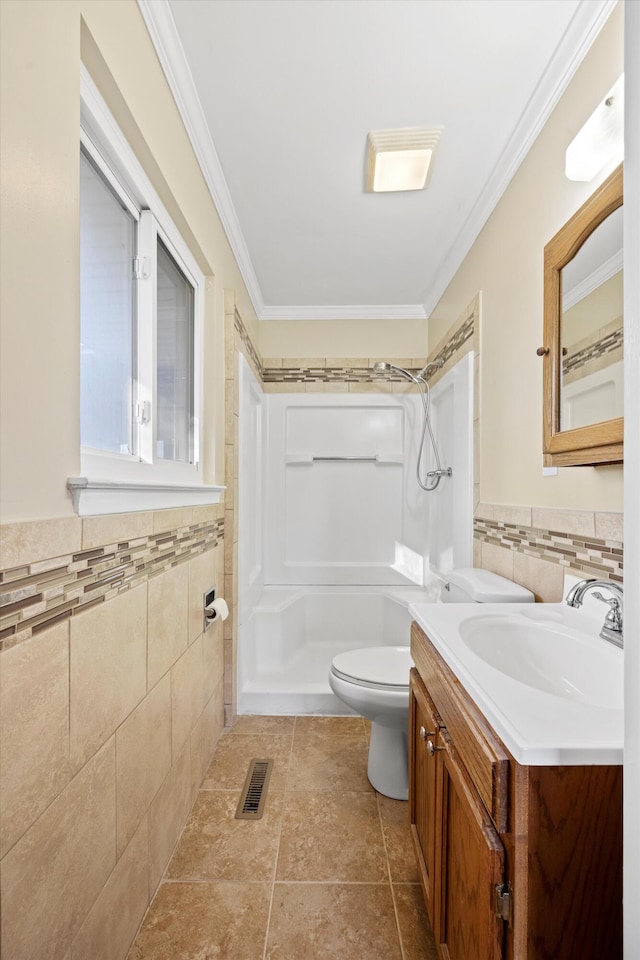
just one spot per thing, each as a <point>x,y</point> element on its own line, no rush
<point>215,608</point>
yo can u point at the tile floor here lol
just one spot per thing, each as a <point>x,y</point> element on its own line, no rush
<point>328,873</point>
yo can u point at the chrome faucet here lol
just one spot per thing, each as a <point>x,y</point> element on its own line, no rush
<point>612,626</point>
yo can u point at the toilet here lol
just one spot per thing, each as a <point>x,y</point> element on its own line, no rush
<point>374,681</point>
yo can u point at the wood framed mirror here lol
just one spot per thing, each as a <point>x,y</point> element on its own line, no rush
<point>583,419</point>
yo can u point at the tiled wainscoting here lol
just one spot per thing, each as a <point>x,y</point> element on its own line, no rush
<point>536,546</point>
<point>111,705</point>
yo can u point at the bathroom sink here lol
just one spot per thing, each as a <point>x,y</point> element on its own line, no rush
<point>549,686</point>
<point>548,656</point>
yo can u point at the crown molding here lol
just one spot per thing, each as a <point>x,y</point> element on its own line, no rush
<point>166,40</point>
<point>367,311</point>
<point>583,29</point>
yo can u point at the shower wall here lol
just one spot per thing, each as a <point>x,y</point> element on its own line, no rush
<point>343,503</point>
<point>450,507</point>
<point>328,491</point>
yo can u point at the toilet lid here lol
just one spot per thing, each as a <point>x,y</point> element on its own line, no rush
<point>378,666</point>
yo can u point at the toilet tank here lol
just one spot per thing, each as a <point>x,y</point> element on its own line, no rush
<point>471,585</point>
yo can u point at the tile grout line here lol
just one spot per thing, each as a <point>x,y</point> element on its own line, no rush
<point>277,857</point>
<point>393,897</point>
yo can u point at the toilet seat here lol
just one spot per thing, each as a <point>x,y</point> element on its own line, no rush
<point>379,668</point>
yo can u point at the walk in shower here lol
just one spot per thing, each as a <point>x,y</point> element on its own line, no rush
<point>336,537</point>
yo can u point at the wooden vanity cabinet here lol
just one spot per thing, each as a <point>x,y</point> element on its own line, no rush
<point>470,867</point>
<point>461,858</point>
<point>424,728</point>
<point>515,862</point>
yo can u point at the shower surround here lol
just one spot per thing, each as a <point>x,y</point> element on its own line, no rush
<point>336,538</point>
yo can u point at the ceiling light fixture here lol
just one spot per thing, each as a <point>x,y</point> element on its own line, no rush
<point>601,141</point>
<point>400,159</point>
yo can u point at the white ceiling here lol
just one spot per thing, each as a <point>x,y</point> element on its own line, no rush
<point>278,97</point>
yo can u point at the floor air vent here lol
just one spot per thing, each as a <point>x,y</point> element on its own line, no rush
<point>254,792</point>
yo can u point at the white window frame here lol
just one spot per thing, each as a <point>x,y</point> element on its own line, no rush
<point>125,476</point>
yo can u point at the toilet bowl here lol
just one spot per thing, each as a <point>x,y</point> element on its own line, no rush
<point>374,681</point>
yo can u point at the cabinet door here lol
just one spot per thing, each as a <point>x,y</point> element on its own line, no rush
<point>424,728</point>
<point>469,865</point>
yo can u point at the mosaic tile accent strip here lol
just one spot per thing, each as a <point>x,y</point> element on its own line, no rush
<point>34,597</point>
<point>248,342</point>
<point>590,555</point>
<point>345,372</point>
<point>457,341</point>
<point>608,344</point>
<point>340,374</point>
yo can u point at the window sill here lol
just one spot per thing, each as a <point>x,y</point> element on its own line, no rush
<point>97,497</point>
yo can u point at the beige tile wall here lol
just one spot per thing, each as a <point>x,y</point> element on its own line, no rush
<point>536,546</point>
<point>108,721</point>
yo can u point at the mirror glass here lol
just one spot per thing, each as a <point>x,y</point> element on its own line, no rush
<point>591,338</point>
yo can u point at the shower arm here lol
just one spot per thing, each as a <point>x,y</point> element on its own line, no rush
<point>436,364</point>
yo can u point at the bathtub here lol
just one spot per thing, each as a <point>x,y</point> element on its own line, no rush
<point>287,643</point>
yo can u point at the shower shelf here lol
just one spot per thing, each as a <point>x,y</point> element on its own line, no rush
<point>381,459</point>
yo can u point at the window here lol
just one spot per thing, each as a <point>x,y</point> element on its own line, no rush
<point>140,316</point>
<point>174,368</point>
<point>108,246</point>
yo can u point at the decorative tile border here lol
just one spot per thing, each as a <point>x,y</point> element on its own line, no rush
<point>457,340</point>
<point>347,370</point>
<point>590,555</point>
<point>344,373</point>
<point>605,345</point>
<point>250,350</point>
<point>35,596</point>
<point>350,371</point>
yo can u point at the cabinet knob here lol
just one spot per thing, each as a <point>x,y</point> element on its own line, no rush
<point>426,733</point>
<point>542,351</point>
<point>431,748</point>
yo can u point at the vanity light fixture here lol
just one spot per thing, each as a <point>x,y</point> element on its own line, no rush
<point>600,143</point>
<point>400,159</point>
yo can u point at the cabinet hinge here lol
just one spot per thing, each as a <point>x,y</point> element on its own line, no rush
<point>503,901</point>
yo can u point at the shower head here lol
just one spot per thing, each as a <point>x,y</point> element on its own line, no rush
<point>381,366</point>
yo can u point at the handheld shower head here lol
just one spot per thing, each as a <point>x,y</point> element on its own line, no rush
<point>381,366</point>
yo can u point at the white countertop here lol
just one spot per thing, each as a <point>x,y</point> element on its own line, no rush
<point>539,728</point>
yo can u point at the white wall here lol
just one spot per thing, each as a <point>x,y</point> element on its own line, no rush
<point>450,506</point>
<point>343,521</point>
